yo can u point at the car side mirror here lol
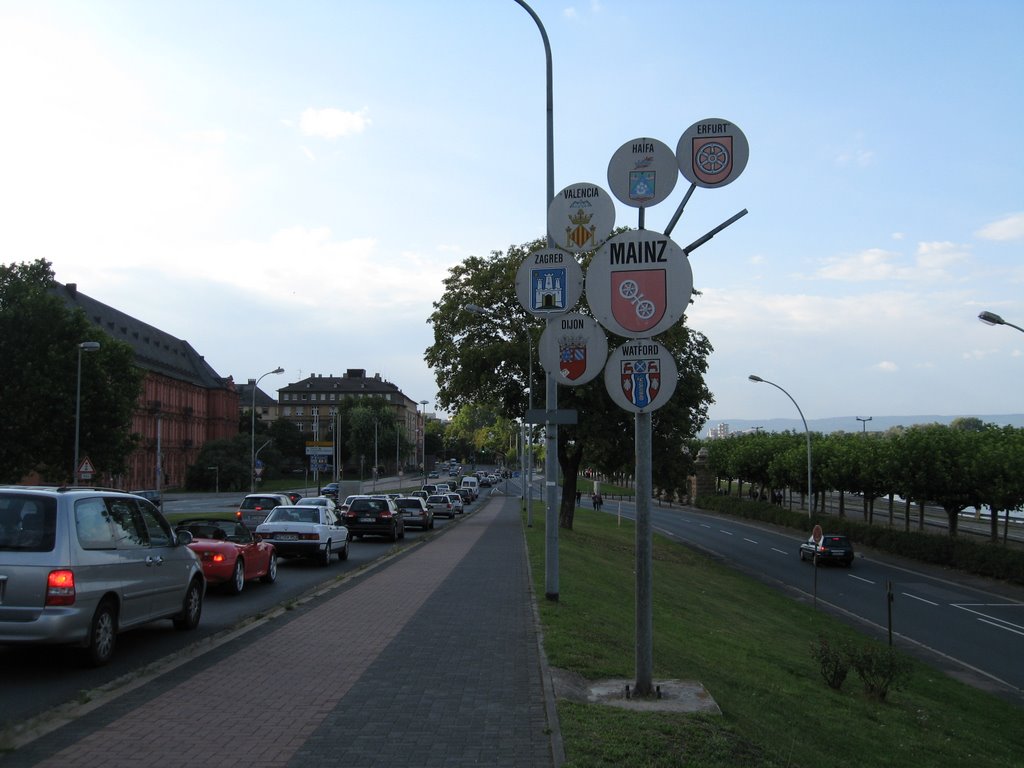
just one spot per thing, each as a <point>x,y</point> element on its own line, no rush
<point>183,537</point>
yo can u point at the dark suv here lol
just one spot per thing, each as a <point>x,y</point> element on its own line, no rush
<point>374,516</point>
<point>832,548</point>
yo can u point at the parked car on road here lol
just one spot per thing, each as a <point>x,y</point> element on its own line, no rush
<point>375,516</point>
<point>832,548</point>
<point>305,531</point>
<point>330,491</point>
<point>256,506</point>
<point>415,512</point>
<point>466,494</point>
<point>77,568</point>
<point>441,505</point>
<point>320,501</point>
<point>229,553</point>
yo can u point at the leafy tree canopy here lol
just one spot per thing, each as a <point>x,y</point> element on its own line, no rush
<point>39,338</point>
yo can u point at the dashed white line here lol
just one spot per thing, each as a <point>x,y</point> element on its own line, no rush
<point>781,551</point>
<point>727,533</point>
<point>861,578</point>
<point>921,599</point>
<point>750,540</point>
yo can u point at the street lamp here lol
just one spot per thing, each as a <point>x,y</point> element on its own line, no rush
<point>864,422</point>
<point>991,318</point>
<point>528,484</point>
<point>252,434</point>
<point>810,493</point>
<point>423,437</point>
<point>85,346</point>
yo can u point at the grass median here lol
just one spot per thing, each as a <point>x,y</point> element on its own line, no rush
<point>753,650</point>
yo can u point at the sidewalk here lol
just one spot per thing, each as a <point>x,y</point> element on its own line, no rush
<point>432,659</point>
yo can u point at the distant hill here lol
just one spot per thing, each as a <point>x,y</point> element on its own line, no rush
<point>850,423</point>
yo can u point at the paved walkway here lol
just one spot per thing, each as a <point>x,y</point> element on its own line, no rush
<point>430,660</point>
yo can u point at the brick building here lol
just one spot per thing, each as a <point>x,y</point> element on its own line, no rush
<point>184,402</point>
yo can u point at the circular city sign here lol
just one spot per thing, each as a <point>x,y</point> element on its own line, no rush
<point>639,283</point>
<point>712,152</point>
<point>573,347</point>
<point>580,218</point>
<point>642,172</point>
<point>640,375</point>
<point>549,283</point>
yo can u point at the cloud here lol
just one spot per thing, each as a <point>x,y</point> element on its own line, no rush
<point>333,123</point>
<point>931,262</point>
<point>1007,228</point>
<point>886,366</point>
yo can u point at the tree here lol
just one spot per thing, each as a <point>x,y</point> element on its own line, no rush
<point>39,338</point>
<point>483,360</point>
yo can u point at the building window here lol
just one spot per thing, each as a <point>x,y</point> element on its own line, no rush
<point>299,411</point>
<point>287,410</point>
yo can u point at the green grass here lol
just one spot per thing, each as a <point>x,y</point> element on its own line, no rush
<point>751,649</point>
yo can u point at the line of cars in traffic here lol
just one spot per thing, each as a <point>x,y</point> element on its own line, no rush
<point>79,565</point>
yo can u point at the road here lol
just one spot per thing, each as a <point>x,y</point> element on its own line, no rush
<point>38,680</point>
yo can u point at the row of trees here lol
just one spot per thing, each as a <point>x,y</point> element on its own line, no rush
<point>956,466</point>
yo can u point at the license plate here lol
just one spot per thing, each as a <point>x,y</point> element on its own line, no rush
<point>287,536</point>
<point>839,552</point>
<point>367,520</point>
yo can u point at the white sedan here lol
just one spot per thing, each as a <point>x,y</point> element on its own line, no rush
<point>305,531</point>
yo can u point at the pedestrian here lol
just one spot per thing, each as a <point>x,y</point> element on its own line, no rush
<point>593,500</point>
<point>598,501</point>
<point>579,495</point>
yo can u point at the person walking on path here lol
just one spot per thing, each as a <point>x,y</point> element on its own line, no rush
<point>430,659</point>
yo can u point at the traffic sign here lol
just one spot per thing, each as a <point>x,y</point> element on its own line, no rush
<point>639,283</point>
<point>549,283</point>
<point>712,152</point>
<point>574,348</point>
<point>581,217</point>
<point>643,172</point>
<point>641,375</point>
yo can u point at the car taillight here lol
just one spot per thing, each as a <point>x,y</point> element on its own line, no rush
<point>60,588</point>
<point>214,557</point>
<point>310,536</point>
<point>238,514</point>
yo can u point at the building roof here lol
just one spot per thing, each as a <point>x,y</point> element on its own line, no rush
<point>154,349</point>
<point>245,393</point>
<point>355,381</point>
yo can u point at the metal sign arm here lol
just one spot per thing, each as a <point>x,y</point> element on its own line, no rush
<point>679,210</point>
<point>701,240</point>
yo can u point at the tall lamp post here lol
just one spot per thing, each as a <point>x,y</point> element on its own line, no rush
<point>252,433</point>
<point>991,318</point>
<point>864,422</point>
<point>423,437</point>
<point>810,492</point>
<point>85,346</point>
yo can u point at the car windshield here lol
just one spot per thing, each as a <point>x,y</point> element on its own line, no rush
<point>409,503</point>
<point>369,505</point>
<point>294,515</point>
<point>835,541</point>
<point>27,522</point>
<point>438,500</point>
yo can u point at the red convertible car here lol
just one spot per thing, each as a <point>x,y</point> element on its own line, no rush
<point>229,554</point>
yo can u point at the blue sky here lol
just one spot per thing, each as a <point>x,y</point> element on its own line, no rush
<point>289,183</point>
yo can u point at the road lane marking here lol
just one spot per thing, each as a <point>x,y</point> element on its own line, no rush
<point>727,533</point>
<point>750,540</point>
<point>1005,625</point>
<point>860,578</point>
<point>780,551</point>
<point>921,599</point>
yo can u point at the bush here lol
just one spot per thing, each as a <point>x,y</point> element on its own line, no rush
<point>833,662</point>
<point>879,669</point>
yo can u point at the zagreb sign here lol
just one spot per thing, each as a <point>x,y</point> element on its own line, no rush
<point>639,284</point>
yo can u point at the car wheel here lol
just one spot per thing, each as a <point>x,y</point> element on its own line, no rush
<point>271,575</point>
<point>343,552</point>
<point>102,634</point>
<point>192,607</point>
<point>325,556</point>
<point>402,534</point>
<point>237,582</point>
<point>802,558</point>
<point>394,533</point>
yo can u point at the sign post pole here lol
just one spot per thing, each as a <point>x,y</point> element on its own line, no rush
<point>644,558</point>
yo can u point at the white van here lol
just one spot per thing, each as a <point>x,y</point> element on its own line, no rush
<point>472,484</point>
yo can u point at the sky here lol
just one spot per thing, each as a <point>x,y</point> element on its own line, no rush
<point>288,184</point>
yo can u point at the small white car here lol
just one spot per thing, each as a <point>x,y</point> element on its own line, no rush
<point>305,530</point>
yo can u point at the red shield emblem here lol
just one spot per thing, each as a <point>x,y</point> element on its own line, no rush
<point>639,298</point>
<point>712,159</point>
<point>572,358</point>
<point>641,381</point>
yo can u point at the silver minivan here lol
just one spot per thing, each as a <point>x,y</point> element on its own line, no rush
<point>79,565</point>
